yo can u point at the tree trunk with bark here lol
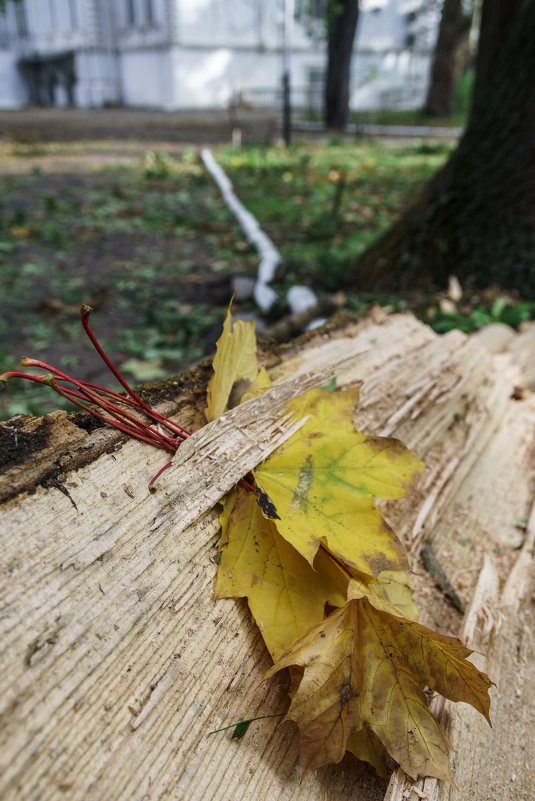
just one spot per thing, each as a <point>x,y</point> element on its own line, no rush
<point>448,58</point>
<point>497,19</point>
<point>342,18</point>
<point>476,217</point>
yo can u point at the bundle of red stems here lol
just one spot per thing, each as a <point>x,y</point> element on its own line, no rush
<point>129,413</point>
<point>111,407</point>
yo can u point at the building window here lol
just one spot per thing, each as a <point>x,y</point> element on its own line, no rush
<point>311,9</point>
<point>315,89</point>
<point>21,21</point>
<point>131,12</point>
<point>149,11</point>
<point>312,14</point>
<point>3,28</point>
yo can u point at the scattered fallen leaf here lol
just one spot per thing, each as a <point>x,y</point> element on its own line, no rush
<point>20,231</point>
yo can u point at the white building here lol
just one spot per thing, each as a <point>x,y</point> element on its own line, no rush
<point>173,54</point>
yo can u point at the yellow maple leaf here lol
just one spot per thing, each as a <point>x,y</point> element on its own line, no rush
<point>311,539</point>
<point>367,747</point>
<point>285,595</point>
<point>392,588</point>
<point>323,482</point>
<point>431,653</point>
<point>235,363</point>
<point>367,667</point>
<point>390,593</point>
<point>395,586</point>
<point>258,386</point>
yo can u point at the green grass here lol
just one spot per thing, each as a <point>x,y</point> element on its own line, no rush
<point>324,204</point>
<point>137,241</point>
<point>411,117</point>
<point>151,244</point>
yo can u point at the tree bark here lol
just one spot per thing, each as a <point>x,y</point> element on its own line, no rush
<point>450,52</point>
<point>497,20</point>
<point>342,18</point>
<point>476,217</point>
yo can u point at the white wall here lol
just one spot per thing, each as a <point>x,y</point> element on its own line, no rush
<point>227,47</point>
<point>144,54</point>
<point>240,23</point>
<point>205,23</point>
<point>145,77</point>
<point>381,25</point>
<point>13,92</point>
<point>207,78</point>
<point>97,79</point>
<point>198,53</point>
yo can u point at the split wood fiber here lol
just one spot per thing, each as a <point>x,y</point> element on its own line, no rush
<point>116,662</point>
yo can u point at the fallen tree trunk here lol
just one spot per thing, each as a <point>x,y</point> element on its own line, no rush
<point>117,662</point>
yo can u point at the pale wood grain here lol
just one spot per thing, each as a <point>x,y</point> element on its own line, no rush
<point>492,763</point>
<point>116,660</point>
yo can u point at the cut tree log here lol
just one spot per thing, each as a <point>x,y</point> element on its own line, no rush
<point>117,662</point>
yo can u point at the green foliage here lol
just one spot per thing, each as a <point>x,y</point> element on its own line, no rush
<point>501,311</point>
<point>157,165</point>
<point>324,204</point>
<point>463,93</point>
<point>141,247</point>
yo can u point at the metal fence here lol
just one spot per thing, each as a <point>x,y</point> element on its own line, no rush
<point>307,100</point>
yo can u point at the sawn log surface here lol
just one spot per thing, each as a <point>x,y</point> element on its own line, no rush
<point>116,662</point>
